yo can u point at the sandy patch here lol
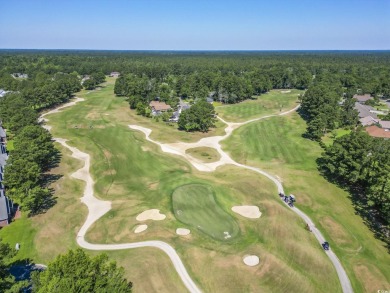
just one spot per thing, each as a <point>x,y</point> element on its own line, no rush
<point>140,228</point>
<point>182,231</point>
<point>285,92</point>
<point>152,214</point>
<point>251,212</point>
<point>251,260</point>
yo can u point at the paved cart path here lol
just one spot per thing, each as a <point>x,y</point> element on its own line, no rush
<point>97,208</point>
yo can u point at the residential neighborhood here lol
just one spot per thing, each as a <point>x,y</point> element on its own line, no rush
<point>6,205</point>
<point>369,117</point>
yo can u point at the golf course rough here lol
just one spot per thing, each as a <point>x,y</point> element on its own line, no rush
<point>195,205</point>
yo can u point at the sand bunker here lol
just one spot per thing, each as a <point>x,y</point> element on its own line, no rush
<point>140,228</point>
<point>182,231</point>
<point>285,92</point>
<point>251,212</point>
<point>152,214</point>
<point>251,260</point>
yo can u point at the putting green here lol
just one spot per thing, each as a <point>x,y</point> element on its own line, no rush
<point>195,205</point>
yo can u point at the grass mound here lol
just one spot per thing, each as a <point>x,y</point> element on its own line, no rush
<point>205,154</point>
<point>195,205</point>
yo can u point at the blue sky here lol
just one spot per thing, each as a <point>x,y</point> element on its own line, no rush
<point>196,25</point>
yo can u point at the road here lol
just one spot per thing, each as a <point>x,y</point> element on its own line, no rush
<point>97,208</point>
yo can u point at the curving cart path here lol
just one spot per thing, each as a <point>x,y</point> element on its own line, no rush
<point>97,208</point>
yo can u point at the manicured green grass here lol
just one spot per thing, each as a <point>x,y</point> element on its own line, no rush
<point>135,175</point>
<point>204,154</point>
<point>195,205</point>
<point>10,145</point>
<point>272,102</point>
<point>330,137</point>
<point>277,146</point>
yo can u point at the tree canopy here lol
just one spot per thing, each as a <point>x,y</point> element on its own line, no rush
<point>201,116</point>
<point>77,272</point>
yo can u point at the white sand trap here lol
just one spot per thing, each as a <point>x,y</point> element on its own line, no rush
<point>182,231</point>
<point>285,92</point>
<point>251,212</point>
<point>140,228</point>
<point>251,260</point>
<point>153,214</point>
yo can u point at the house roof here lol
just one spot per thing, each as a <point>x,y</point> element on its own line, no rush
<point>209,100</point>
<point>365,110</point>
<point>384,124</point>
<point>2,132</point>
<point>376,131</point>
<point>159,106</point>
<point>3,208</point>
<point>368,120</point>
<point>3,159</point>
<point>363,98</point>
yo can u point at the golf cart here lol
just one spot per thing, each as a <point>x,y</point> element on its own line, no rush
<point>325,245</point>
<point>291,200</point>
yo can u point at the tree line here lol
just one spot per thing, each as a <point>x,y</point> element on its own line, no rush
<point>361,164</point>
<point>26,178</point>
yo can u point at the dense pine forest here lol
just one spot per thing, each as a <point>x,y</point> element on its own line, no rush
<point>356,162</point>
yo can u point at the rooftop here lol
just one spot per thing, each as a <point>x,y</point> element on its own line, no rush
<point>376,131</point>
<point>384,124</point>
<point>159,106</point>
<point>365,110</point>
<point>368,120</point>
<point>363,98</point>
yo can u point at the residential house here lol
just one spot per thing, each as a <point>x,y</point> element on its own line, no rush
<point>3,93</point>
<point>6,205</point>
<point>209,100</point>
<point>158,107</point>
<point>114,74</point>
<point>85,77</point>
<point>3,135</point>
<point>384,124</point>
<point>19,75</point>
<point>362,99</point>
<point>368,120</point>
<point>376,131</point>
<point>364,111</point>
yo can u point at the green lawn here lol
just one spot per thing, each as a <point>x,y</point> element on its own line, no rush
<point>135,175</point>
<point>272,102</point>
<point>330,137</point>
<point>277,146</point>
<point>195,205</point>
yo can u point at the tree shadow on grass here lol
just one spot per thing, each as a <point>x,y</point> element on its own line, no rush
<point>376,222</point>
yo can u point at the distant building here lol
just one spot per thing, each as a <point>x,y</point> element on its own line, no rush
<point>3,93</point>
<point>209,100</point>
<point>384,124</point>
<point>114,74</point>
<point>376,131</point>
<point>362,99</point>
<point>158,107</point>
<point>365,111</point>
<point>19,75</point>
<point>85,77</point>
<point>368,120</point>
<point>6,205</point>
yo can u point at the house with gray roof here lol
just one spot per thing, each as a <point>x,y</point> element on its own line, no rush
<point>363,98</point>
<point>364,111</point>
<point>368,120</point>
<point>384,124</point>
<point>6,205</point>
